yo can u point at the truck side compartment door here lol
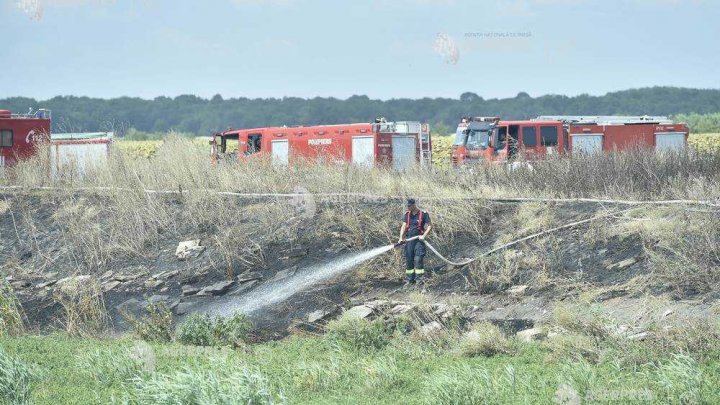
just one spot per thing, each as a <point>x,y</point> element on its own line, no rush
<point>280,152</point>
<point>590,143</point>
<point>529,141</point>
<point>667,141</point>
<point>363,150</point>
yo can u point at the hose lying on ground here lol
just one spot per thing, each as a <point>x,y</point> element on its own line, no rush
<point>515,242</point>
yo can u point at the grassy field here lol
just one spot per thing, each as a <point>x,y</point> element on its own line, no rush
<point>362,362</point>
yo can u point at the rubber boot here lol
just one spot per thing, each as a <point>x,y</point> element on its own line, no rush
<point>420,277</point>
<point>410,278</point>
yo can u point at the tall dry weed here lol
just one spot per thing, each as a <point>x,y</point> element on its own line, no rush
<point>83,304</point>
<point>11,313</point>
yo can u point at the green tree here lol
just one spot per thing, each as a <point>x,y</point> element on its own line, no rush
<point>189,113</point>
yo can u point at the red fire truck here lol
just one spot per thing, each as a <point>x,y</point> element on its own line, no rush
<point>20,134</point>
<point>392,144</point>
<point>488,139</point>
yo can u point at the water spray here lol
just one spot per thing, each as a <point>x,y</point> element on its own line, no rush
<point>278,291</point>
<point>274,292</point>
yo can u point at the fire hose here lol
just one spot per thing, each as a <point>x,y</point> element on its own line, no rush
<point>515,242</point>
<point>432,249</point>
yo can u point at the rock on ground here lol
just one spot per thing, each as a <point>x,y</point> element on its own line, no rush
<point>189,248</point>
<point>360,311</point>
<point>430,328</point>
<point>529,335</point>
<point>218,288</point>
<point>317,315</point>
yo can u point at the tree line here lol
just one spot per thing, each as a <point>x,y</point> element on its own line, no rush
<point>196,115</point>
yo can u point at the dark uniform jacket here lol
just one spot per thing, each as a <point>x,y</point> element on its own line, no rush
<point>412,230</point>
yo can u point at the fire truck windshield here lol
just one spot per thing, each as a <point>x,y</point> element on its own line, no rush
<point>472,139</point>
<point>478,139</point>
<point>460,137</point>
<point>475,136</point>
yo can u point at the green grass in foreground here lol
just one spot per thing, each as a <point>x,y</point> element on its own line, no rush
<point>323,371</point>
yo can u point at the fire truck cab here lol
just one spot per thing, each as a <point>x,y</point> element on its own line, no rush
<point>488,139</point>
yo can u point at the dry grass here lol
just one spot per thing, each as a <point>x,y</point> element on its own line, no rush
<point>598,232</point>
<point>584,318</point>
<point>529,218</point>
<point>83,306</point>
<point>484,339</point>
<point>580,330</point>
<point>535,264</point>
<point>179,164</point>
<point>11,313</point>
<point>633,174</point>
<point>587,332</point>
<point>574,346</point>
<point>698,334</point>
<point>82,230</point>
<point>683,247</point>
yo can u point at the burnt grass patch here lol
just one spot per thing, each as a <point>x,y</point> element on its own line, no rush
<point>259,238</point>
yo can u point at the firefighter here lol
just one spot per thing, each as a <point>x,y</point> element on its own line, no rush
<point>415,222</point>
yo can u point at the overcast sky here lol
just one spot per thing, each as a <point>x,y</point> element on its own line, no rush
<point>380,48</point>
